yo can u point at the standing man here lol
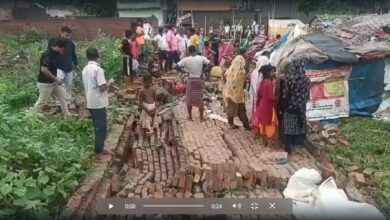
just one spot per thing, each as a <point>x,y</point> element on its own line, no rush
<point>147,29</point>
<point>194,38</point>
<point>182,42</point>
<point>140,34</point>
<point>172,42</point>
<point>67,61</point>
<point>48,82</point>
<point>162,49</point>
<point>96,92</point>
<point>193,64</point>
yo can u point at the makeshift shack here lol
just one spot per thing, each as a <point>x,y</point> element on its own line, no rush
<point>347,78</point>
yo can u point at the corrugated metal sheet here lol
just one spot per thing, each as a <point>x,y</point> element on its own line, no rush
<point>208,5</point>
<point>138,4</point>
<point>142,13</point>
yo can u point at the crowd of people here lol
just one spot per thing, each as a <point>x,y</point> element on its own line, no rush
<point>277,100</point>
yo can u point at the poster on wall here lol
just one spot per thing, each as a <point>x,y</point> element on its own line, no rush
<point>329,96</point>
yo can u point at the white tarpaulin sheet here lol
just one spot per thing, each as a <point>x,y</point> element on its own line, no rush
<point>325,201</point>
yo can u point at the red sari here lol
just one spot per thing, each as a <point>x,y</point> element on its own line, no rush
<point>265,119</point>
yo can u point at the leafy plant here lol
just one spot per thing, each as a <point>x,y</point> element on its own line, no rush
<point>42,160</point>
<point>370,148</point>
<point>110,57</point>
<point>31,35</point>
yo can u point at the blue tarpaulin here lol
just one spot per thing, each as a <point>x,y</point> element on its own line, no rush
<point>366,87</point>
<point>283,40</point>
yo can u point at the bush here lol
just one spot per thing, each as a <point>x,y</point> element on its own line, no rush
<point>31,35</point>
<point>110,56</point>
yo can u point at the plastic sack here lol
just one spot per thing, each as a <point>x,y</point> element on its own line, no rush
<point>333,203</point>
<point>216,72</point>
<point>135,65</point>
<point>302,183</point>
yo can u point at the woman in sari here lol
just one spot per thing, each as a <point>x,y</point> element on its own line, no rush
<point>227,52</point>
<point>294,93</point>
<point>265,120</point>
<point>234,94</point>
<point>255,80</point>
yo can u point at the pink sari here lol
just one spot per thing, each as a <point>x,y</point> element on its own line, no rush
<point>226,53</point>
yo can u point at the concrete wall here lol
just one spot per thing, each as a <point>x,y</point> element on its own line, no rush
<point>83,28</point>
<point>6,14</point>
<point>283,8</point>
<point>214,17</point>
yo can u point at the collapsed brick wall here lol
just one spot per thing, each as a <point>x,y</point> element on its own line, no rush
<point>83,28</point>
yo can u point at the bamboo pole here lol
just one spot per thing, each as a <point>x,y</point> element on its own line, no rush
<point>192,19</point>
<point>234,26</point>
<point>205,25</point>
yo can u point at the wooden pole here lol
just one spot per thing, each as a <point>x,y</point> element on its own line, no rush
<point>205,25</point>
<point>192,19</point>
<point>269,28</point>
<point>234,26</point>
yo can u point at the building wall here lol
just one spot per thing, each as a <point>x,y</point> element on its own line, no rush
<point>283,8</point>
<point>142,13</point>
<point>6,14</point>
<point>83,28</point>
<point>208,5</point>
<point>214,18</point>
<point>215,11</point>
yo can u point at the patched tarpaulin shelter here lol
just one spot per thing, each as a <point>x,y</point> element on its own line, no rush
<point>345,80</point>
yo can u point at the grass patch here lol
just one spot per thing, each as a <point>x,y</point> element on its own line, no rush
<point>370,148</point>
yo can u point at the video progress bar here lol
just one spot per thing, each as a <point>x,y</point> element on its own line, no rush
<point>116,206</point>
<point>173,206</point>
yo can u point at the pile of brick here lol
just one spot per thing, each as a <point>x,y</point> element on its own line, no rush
<point>326,135</point>
<point>194,159</point>
<point>230,159</point>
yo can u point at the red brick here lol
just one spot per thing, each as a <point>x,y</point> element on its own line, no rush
<point>244,170</point>
<point>240,182</point>
<point>188,195</point>
<point>182,181</point>
<point>360,180</point>
<point>114,185</point>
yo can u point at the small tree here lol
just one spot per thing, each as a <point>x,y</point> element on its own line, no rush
<point>307,6</point>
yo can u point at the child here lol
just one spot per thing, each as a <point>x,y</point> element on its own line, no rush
<point>134,55</point>
<point>126,51</point>
<point>96,91</point>
<point>265,121</point>
<point>208,52</point>
<point>147,102</point>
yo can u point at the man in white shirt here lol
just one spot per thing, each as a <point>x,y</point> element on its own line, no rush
<point>147,30</point>
<point>96,91</point>
<point>162,49</point>
<point>227,31</point>
<point>193,64</point>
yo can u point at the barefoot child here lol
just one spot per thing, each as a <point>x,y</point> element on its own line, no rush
<point>147,102</point>
<point>265,121</point>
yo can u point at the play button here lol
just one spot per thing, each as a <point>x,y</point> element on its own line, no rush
<point>110,206</point>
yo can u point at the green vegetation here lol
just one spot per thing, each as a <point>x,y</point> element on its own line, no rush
<point>42,159</point>
<point>370,148</point>
<point>332,6</point>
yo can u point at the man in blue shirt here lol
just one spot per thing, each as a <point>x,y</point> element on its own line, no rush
<point>67,61</point>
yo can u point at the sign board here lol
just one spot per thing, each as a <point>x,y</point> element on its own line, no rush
<point>182,18</point>
<point>329,93</point>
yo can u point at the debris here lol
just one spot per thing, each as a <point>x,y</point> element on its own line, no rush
<point>353,168</point>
